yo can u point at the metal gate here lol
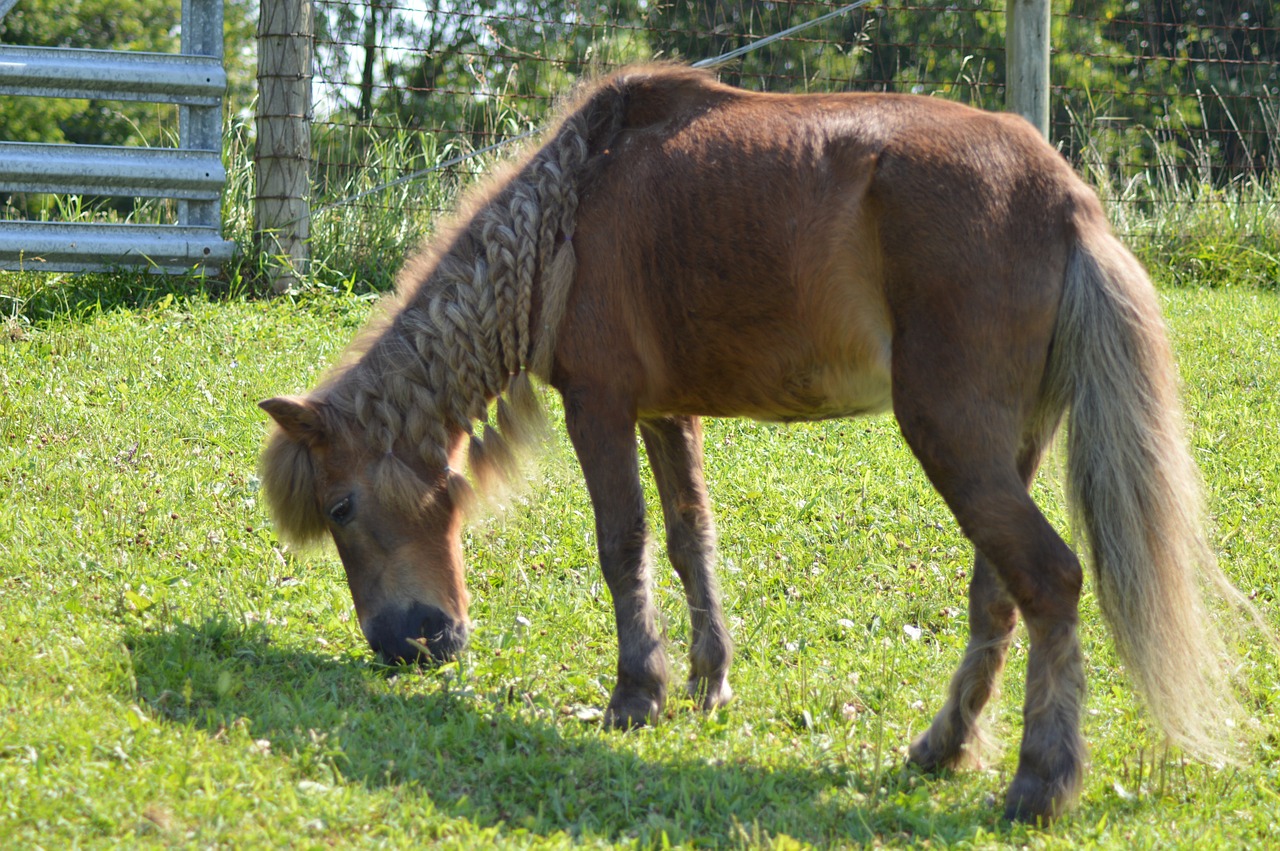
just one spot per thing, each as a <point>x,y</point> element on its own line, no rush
<point>192,173</point>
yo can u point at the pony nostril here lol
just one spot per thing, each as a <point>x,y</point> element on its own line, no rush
<point>421,633</point>
<point>442,636</point>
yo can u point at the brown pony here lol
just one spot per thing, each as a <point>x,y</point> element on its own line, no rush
<point>678,248</point>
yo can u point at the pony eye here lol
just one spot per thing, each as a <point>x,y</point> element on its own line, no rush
<point>342,511</point>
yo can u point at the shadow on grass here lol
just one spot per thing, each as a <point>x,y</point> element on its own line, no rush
<point>486,758</point>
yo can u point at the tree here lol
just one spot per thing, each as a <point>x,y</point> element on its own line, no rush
<point>477,68</point>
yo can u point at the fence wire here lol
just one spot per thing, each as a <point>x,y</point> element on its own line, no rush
<point>1146,93</point>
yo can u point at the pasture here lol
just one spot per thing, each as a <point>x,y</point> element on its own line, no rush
<point>173,676</point>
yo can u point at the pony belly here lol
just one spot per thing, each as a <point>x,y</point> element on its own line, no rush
<point>844,391</point>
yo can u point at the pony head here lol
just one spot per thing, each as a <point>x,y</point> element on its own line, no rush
<point>396,521</point>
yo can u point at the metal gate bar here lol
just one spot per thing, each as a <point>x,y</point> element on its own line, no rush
<point>192,173</point>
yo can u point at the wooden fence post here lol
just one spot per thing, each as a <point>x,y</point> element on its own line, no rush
<point>282,160</point>
<point>1027,47</point>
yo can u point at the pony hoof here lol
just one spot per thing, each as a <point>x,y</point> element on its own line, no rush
<point>631,711</point>
<point>930,757</point>
<point>709,695</point>
<point>1033,800</point>
<point>925,757</point>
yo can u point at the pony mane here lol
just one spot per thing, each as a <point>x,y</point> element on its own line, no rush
<point>476,314</point>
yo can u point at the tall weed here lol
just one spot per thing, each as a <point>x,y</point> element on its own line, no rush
<point>1190,219</point>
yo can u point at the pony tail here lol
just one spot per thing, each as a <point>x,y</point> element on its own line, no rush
<point>1136,492</point>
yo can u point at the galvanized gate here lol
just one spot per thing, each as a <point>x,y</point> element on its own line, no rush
<point>192,173</point>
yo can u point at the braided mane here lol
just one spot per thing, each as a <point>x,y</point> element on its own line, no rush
<point>461,328</point>
<point>473,317</point>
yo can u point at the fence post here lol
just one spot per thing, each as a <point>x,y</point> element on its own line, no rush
<point>1027,61</point>
<point>282,161</point>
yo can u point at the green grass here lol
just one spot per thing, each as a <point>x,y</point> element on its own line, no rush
<point>173,676</point>
<point>1196,235</point>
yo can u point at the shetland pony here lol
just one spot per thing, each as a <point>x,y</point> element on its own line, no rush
<point>676,248</point>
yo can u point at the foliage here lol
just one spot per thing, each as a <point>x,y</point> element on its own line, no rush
<point>471,68</point>
<point>88,24</point>
<point>175,677</point>
<point>825,57</point>
<point>1187,81</point>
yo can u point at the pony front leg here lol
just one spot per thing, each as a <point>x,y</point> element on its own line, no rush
<point>604,437</point>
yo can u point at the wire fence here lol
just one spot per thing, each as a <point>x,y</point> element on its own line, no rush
<point>1151,99</point>
<point>1153,93</point>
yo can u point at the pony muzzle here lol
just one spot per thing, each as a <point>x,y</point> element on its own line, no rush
<point>420,633</point>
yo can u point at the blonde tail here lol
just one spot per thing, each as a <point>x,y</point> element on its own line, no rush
<point>1136,493</point>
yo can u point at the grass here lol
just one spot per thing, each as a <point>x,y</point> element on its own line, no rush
<point>1193,234</point>
<point>175,677</point>
<point>1190,219</point>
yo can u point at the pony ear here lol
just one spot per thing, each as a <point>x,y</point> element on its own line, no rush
<point>299,418</point>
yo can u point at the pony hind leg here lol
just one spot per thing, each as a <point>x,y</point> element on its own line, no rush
<point>674,446</point>
<point>966,439</point>
<point>955,734</point>
<point>956,737</point>
<point>603,436</point>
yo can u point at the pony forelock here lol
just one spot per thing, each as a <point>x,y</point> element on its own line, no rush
<point>288,475</point>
